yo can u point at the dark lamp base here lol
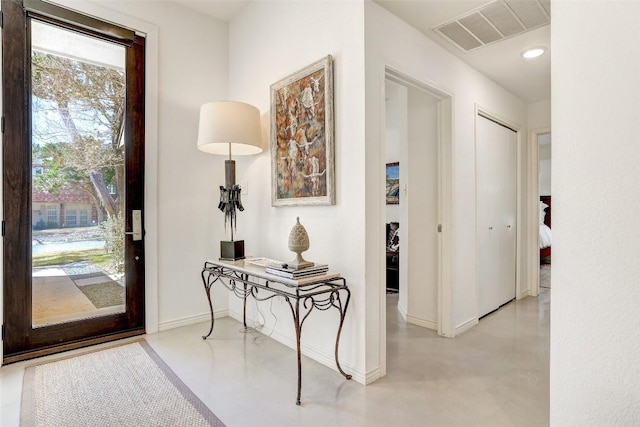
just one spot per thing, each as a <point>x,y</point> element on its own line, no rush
<point>231,250</point>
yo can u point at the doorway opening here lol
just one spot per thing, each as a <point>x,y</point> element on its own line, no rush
<point>544,190</point>
<point>541,142</point>
<point>417,206</point>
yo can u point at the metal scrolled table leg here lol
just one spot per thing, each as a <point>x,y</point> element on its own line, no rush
<point>298,333</point>
<point>244,307</point>
<point>207,288</point>
<point>343,312</point>
<point>245,329</point>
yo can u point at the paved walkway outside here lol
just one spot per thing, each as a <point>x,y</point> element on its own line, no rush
<point>57,297</point>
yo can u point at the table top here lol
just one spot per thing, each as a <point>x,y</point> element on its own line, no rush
<point>254,267</point>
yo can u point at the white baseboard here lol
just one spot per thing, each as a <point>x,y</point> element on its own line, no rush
<point>371,376</point>
<point>403,311</point>
<point>425,323</point>
<point>191,320</point>
<point>465,326</point>
<point>524,294</point>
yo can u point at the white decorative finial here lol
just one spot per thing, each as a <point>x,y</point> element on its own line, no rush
<point>298,243</point>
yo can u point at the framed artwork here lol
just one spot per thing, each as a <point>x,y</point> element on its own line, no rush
<point>302,140</point>
<point>393,183</point>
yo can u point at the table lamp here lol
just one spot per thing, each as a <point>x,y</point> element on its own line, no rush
<point>226,128</point>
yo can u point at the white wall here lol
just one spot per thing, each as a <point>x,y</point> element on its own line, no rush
<point>268,41</point>
<point>538,120</point>
<point>595,350</point>
<point>181,225</point>
<point>391,42</point>
<point>419,213</point>
<point>539,115</point>
<point>544,180</point>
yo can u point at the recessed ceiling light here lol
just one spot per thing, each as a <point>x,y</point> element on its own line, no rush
<point>533,53</point>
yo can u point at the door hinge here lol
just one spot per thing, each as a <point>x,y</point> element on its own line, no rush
<point>2,332</point>
<point>1,19</point>
<point>439,228</point>
<point>2,124</point>
<point>3,224</point>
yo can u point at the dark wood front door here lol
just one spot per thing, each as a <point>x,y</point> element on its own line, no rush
<point>73,187</point>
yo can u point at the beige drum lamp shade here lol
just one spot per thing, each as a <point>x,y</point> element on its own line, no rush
<point>229,128</point>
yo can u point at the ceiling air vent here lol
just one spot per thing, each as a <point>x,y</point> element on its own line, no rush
<point>493,22</point>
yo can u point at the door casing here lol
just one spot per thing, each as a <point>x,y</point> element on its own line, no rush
<point>533,210</point>
<point>445,323</point>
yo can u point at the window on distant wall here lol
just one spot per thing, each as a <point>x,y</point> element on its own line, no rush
<point>70,218</point>
<point>52,214</point>
<point>84,217</point>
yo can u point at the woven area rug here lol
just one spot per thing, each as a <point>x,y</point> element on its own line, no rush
<point>95,284</point>
<point>105,294</point>
<point>128,385</point>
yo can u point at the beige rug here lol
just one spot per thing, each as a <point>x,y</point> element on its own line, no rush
<point>128,385</point>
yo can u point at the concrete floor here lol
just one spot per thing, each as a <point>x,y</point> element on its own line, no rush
<point>496,374</point>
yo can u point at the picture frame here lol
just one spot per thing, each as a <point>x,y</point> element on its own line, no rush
<point>393,183</point>
<point>302,137</point>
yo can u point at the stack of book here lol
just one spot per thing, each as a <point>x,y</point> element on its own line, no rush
<point>282,270</point>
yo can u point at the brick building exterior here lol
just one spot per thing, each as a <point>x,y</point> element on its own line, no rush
<point>73,207</point>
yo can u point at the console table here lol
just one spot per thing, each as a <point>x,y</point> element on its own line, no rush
<point>244,279</point>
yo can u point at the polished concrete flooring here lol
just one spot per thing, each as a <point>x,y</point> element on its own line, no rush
<point>496,374</point>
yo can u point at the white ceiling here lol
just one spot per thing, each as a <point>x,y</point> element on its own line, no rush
<point>224,10</point>
<point>529,80</point>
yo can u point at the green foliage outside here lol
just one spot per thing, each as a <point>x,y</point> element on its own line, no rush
<point>78,125</point>
<point>113,229</point>
<point>97,256</point>
<point>78,121</point>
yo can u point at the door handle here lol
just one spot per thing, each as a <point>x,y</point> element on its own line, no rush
<point>136,224</point>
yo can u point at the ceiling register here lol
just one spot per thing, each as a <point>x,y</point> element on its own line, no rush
<point>494,22</point>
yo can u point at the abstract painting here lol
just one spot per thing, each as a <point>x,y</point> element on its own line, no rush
<point>302,140</point>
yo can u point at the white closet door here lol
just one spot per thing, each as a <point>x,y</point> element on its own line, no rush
<point>506,215</point>
<point>496,214</point>
<point>486,152</point>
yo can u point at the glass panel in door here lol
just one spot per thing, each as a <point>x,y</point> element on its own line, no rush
<point>78,111</point>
